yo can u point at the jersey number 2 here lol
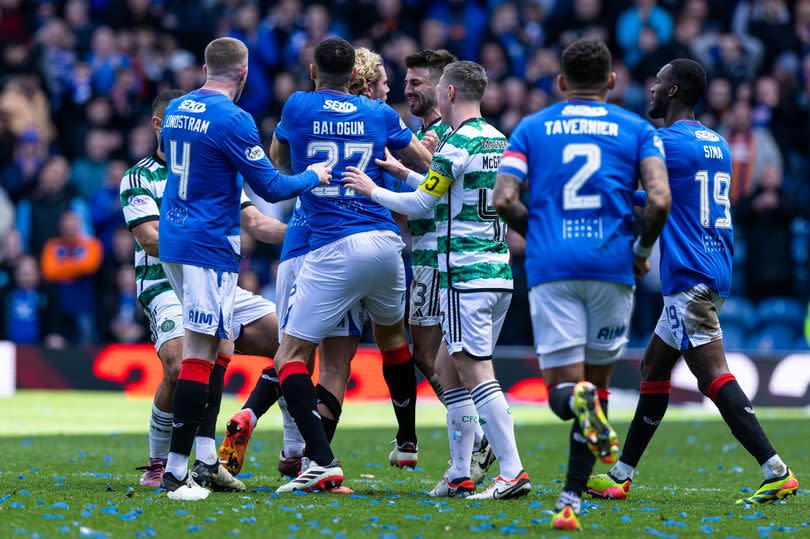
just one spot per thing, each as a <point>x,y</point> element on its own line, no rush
<point>572,200</point>
<point>722,182</point>
<point>181,168</point>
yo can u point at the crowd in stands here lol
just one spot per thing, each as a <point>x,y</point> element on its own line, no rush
<point>77,78</point>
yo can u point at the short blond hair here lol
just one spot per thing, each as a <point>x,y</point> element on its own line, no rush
<point>368,66</point>
<point>225,57</point>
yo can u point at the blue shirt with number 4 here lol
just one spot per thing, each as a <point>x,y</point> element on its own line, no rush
<point>211,145</point>
<point>580,159</point>
<point>342,130</point>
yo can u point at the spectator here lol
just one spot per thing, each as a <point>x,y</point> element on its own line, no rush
<point>629,29</point>
<point>69,262</point>
<point>105,205</point>
<point>28,312</point>
<point>6,214</point>
<point>10,254</point>
<point>26,106</point>
<point>88,172</point>
<point>752,149</point>
<point>122,315</point>
<point>19,176</point>
<point>38,216</point>
<point>765,218</point>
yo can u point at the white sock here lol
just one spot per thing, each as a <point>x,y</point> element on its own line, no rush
<point>294,443</point>
<point>495,418</point>
<point>622,471</point>
<point>160,433</point>
<point>461,420</point>
<point>253,417</point>
<point>206,450</point>
<point>177,465</point>
<point>774,467</point>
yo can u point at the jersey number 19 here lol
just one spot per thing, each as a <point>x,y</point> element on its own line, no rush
<point>722,182</point>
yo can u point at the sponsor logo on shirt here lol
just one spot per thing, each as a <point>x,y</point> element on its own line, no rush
<point>706,135</point>
<point>660,145</point>
<point>189,105</point>
<point>583,110</point>
<point>339,106</point>
<point>139,200</point>
<point>255,153</point>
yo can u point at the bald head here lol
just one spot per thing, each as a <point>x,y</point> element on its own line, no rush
<point>225,58</point>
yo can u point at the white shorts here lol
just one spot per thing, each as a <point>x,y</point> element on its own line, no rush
<point>365,267</point>
<point>350,326</point>
<point>580,321</point>
<point>247,308</point>
<point>165,318</point>
<point>690,318</point>
<point>207,297</point>
<point>425,305</point>
<point>472,321</point>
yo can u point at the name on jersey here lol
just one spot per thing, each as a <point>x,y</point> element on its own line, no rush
<point>491,162</point>
<point>180,121</point>
<point>339,128</point>
<point>583,110</point>
<point>339,106</point>
<point>713,152</point>
<point>581,126</point>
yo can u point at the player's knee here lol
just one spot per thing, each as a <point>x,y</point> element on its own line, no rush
<point>651,371</point>
<point>331,402</point>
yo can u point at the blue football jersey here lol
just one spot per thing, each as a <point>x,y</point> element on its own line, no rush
<point>581,160</point>
<point>296,239</point>
<point>342,130</point>
<point>697,243</point>
<point>210,145</point>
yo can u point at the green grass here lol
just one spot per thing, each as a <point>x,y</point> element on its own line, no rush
<point>78,451</point>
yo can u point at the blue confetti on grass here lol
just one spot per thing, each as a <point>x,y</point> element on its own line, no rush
<point>181,512</point>
<point>706,529</point>
<point>649,509</point>
<point>754,516</point>
<point>16,505</point>
<point>674,523</point>
<point>482,517</point>
<point>625,518</point>
<point>60,505</point>
<point>244,475</point>
<point>662,535</point>
<point>711,519</point>
<point>24,492</point>
<point>49,516</point>
<point>193,529</point>
<point>110,511</point>
<point>248,520</point>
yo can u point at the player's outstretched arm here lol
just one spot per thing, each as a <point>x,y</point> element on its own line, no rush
<point>506,199</point>
<point>419,203</point>
<point>655,180</point>
<point>415,155</point>
<point>262,227</point>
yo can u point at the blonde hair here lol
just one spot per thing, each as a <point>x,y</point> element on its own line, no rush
<point>368,66</point>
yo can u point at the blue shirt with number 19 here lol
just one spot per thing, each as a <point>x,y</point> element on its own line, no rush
<point>211,145</point>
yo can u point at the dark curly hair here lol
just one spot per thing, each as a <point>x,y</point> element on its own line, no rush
<point>586,65</point>
<point>334,58</point>
<point>433,60</point>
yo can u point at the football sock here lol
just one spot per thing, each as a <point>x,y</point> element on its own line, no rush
<point>160,433</point>
<point>652,405</point>
<point>569,498</point>
<point>327,399</point>
<point>559,399</point>
<point>437,387</point>
<point>216,382</point>
<point>580,458</point>
<point>399,373</point>
<point>622,471</point>
<point>293,442</point>
<point>739,415</point>
<point>206,450</point>
<point>299,393</point>
<point>461,420</point>
<point>265,393</point>
<point>774,467</point>
<point>495,418</point>
<point>254,419</point>
<point>190,396</point>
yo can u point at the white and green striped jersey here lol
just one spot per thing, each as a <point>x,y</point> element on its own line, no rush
<point>423,230</point>
<point>141,194</point>
<point>471,246</point>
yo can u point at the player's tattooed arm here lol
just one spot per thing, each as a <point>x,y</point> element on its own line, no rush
<point>415,156</point>
<point>147,236</point>
<point>506,199</point>
<point>655,179</point>
<point>263,228</point>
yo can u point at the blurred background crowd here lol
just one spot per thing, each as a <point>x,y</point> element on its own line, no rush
<point>77,78</point>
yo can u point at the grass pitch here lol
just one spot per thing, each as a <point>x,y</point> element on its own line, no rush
<point>68,462</point>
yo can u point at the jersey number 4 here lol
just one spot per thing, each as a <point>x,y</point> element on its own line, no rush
<point>572,200</point>
<point>722,182</point>
<point>181,168</point>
